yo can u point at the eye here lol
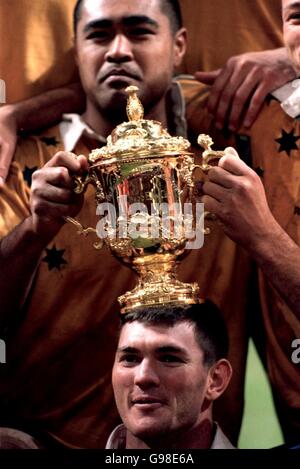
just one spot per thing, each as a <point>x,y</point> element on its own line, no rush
<point>99,35</point>
<point>129,359</point>
<point>294,16</point>
<point>171,359</point>
<point>140,32</point>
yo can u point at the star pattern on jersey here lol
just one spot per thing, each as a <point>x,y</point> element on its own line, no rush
<point>54,258</point>
<point>287,141</point>
<point>50,141</point>
<point>27,174</point>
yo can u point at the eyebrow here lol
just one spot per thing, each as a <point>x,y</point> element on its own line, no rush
<point>127,350</point>
<point>163,349</point>
<point>292,6</point>
<point>170,349</point>
<point>133,20</point>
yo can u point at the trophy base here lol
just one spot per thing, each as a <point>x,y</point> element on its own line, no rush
<point>158,285</point>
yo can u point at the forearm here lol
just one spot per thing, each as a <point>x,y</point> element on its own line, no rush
<point>20,252</point>
<point>279,259</point>
<point>47,108</point>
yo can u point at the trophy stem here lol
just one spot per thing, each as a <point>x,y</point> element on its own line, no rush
<point>158,284</point>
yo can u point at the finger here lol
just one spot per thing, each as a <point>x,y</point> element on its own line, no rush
<point>242,97</point>
<point>256,104</point>
<point>2,181</point>
<point>217,89</point>
<point>57,176</point>
<point>210,204</point>
<point>52,209</point>
<point>83,161</point>
<point>221,177</point>
<point>68,160</point>
<point>7,153</point>
<point>228,96</point>
<point>4,172</point>
<point>234,165</point>
<point>215,191</point>
<point>54,194</point>
<point>231,151</point>
<point>207,77</point>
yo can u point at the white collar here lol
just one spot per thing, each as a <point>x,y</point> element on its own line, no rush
<point>289,97</point>
<point>72,128</point>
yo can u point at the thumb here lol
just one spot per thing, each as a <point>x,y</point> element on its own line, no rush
<point>2,181</point>
<point>83,162</point>
<point>232,163</point>
<point>232,152</point>
<point>207,77</point>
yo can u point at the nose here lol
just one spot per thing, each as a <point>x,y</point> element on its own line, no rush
<point>120,50</point>
<point>146,375</point>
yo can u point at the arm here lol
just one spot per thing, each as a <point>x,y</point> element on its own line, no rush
<point>241,86</point>
<point>235,194</point>
<point>52,197</point>
<point>35,113</point>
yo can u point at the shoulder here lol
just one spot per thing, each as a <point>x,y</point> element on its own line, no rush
<point>34,150</point>
<point>11,438</point>
<point>199,120</point>
<point>192,90</point>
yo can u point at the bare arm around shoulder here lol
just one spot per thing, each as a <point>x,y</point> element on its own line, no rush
<point>32,114</point>
<point>241,86</point>
<point>52,198</point>
<point>235,194</point>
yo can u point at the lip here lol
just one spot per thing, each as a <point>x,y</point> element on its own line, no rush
<point>118,74</point>
<point>147,402</point>
<point>148,407</point>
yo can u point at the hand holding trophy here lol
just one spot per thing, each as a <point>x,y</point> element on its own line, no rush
<point>143,182</point>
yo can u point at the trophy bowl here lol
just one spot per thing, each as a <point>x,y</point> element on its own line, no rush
<point>143,182</point>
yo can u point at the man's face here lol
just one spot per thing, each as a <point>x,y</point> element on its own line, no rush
<point>291,29</point>
<point>159,379</point>
<point>124,42</point>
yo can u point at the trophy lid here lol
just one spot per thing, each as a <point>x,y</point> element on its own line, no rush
<point>138,137</point>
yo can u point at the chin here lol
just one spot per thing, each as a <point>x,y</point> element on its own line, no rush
<point>113,104</point>
<point>150,435</point>
<point>150,431</point>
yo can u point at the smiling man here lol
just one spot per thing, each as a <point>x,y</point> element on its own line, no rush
<point>170,367</point>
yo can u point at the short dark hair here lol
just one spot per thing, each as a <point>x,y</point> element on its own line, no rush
<point>170,8</point>
<point>209,325</point>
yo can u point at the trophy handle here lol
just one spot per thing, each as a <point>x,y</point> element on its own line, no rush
<point>206,142</point>
<point>80,185</point>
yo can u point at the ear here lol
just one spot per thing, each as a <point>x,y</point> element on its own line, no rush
<point>218,379</point>
<point>179,46</point>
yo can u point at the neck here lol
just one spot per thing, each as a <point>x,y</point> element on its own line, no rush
<point>103,123</point>
<point>199,437</point>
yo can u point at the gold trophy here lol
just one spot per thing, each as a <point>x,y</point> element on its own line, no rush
<point>143,167</point>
